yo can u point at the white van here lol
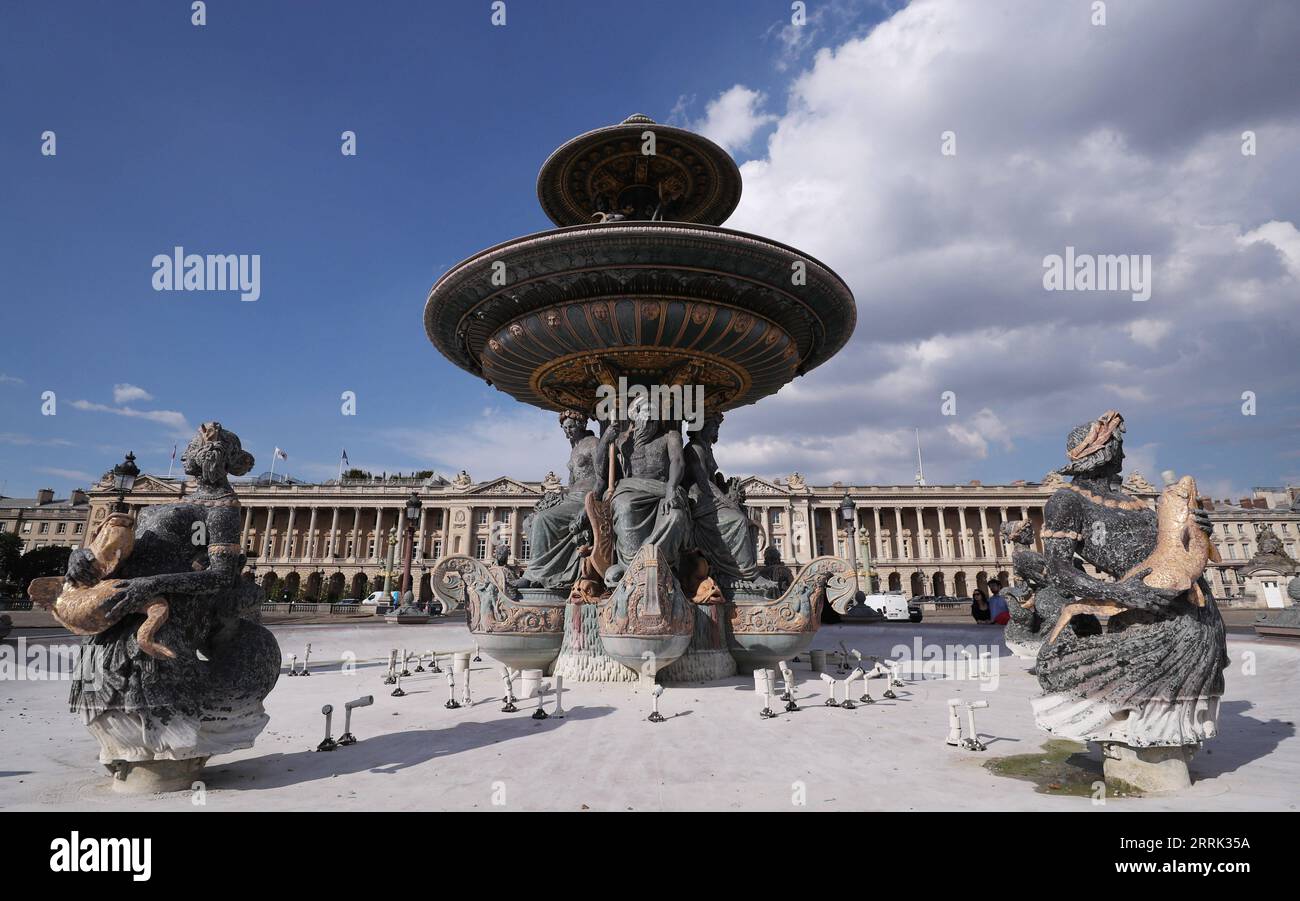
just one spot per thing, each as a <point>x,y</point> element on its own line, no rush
<point>893,607</point>
<point>377,598</point>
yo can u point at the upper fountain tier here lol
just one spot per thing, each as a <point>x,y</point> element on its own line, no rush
<point>639,281</point>
<point>686,177</point>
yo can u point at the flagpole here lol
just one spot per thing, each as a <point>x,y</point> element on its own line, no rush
<point>273,456</point>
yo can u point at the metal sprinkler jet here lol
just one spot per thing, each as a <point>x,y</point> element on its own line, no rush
<point>831,682</point>
<point>347,738</point>
<point>655,693</point>
<point>540,713</point>
<point>509,698</point>
<point>329,744</point>
<point>857,673</point>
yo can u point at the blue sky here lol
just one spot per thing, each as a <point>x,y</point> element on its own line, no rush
<point>226,139</point>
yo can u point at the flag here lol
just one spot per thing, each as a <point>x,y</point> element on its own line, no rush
<point>345,456</point>
<point>281,454</point>
<point>173,453</point>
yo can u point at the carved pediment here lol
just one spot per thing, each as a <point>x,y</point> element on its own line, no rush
<point>505,485</point>
<point>144,484</point>
<point>1137,484</point>
<point>753,485</point>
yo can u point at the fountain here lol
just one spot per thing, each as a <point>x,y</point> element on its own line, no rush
<point>641,312</point>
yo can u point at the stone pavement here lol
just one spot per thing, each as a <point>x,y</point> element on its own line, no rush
<point>712,753</point>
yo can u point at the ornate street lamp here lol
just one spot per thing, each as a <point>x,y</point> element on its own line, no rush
<point>864,544</point>
<point>124,475</point>
<point>848,513</point>
<point>413,506</point>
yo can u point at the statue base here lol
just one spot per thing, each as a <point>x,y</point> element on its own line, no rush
<point>707,658</point>
<point>1150,770</point>
<point>153,777</point>
<point>582,655</point>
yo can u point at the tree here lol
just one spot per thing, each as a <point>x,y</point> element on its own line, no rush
<point>11,551</point>
<point>50,560</point>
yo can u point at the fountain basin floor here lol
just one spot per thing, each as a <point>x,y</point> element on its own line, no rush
<point>713,752</point>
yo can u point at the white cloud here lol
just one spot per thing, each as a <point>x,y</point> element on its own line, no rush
<point>1148,332</point>
<point>10,379</point>
<point>733,118</point>
<point>23,440</point>
<point>519,442</point>
<point>1284,237</point>
<point>173,419</point>
<point>1065,137</point>
<point>1142,458</point>
<point>126,393</point>
<point>75,475</point>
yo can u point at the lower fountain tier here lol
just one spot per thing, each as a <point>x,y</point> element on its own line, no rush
<point>549,317</point>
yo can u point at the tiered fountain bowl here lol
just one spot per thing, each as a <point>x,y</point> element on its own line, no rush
<point>639,282</point>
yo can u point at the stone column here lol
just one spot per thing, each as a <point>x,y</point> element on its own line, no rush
<point>243,536</point>
<point>997,539</point>
<point>876,545</point>
<point>267,548</point>
<point>286,545</point>
<point>311,535</point>
<point>380,549</point>
<point>898,532</point>
<point>942,535</point>
<point>334,535</point>
<point>356,532</point>
<point>918,541</point>
<point>961,525</point>
<point>984,531</point>
<point>419,535</point>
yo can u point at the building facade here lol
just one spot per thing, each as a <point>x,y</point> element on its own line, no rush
<point>43,520</point>
<point>332,540</point>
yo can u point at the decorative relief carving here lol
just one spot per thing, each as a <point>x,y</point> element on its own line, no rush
<point>824,580</point>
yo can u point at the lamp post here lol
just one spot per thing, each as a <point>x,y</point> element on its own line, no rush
<point>413,506</point>
<point>124,475</point>
<point>848,515</point>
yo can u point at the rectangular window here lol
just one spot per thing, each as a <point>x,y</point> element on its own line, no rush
<point>78,528</point>
<point>482,517</point>
<point>480,549</point>
<point>27,527</point>
<point>525,549</point>
<point>62,528</point>
<point>437,548</point>
<point>776,517</point>
<point>4,527</point>
<point>45,527</point>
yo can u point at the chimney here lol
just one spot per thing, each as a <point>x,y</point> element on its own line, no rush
<point>1205,504</point>
<point>79,497</point>
<point>1246,503</point>
<point>976,483</point>
<point>44,496</point>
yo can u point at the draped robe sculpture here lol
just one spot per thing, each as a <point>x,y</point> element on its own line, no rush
<point>559,521</point>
